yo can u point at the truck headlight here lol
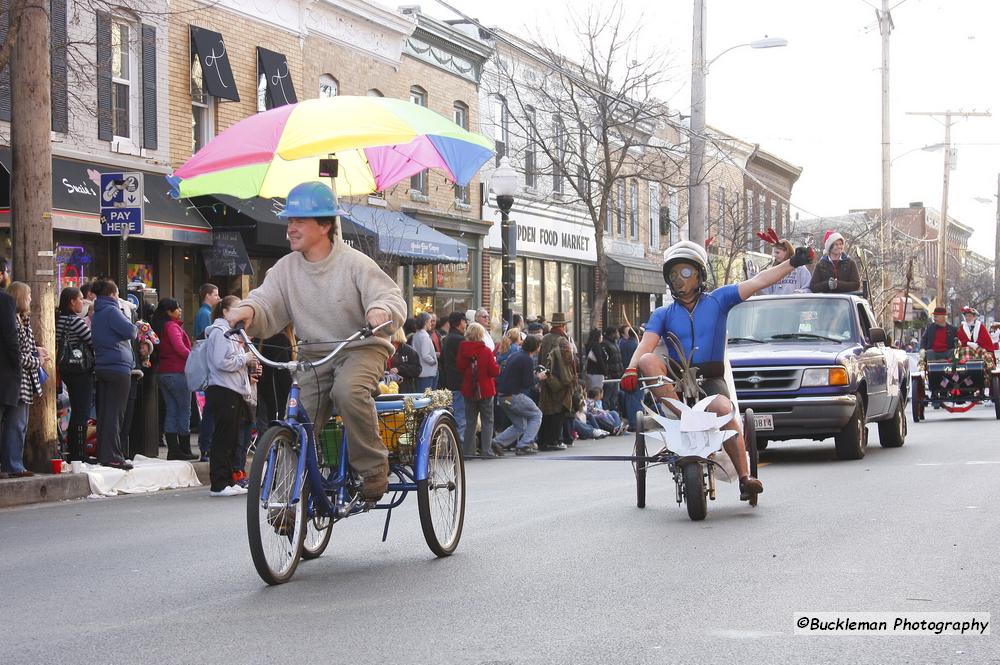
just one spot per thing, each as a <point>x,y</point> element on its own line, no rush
<point>824,376</point>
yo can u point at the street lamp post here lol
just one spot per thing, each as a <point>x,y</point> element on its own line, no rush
<point>504,183</point>
<point>697,190</point>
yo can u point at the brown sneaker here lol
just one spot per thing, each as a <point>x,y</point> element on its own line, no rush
<point>750,486</point>
<point>376,483</point>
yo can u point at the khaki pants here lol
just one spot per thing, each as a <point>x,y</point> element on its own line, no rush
<point>348,383</point>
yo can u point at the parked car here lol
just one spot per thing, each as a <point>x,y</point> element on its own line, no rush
<point>815,366</point>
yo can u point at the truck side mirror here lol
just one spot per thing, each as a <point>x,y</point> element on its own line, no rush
<point>877,336</point>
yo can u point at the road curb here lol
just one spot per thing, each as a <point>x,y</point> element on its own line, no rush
<point>46,488</point>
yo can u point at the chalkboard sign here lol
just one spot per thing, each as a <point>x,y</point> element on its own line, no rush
<point>227,256</point>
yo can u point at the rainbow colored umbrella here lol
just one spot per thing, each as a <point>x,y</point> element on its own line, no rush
<point>377,141</point>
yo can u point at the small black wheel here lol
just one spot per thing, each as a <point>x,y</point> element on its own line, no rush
<point>995,394</point>
<point>694,491</point>
<point>917,397</point>
<point>852,441</point>
<point>892,432</point>
<point>275,529</point>
<point>639,465</point>
<point>441,496</point>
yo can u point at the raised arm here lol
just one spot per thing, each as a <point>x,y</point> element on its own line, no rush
<point>775,274</point>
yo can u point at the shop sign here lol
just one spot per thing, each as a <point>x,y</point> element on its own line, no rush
<point>548,237</point>
<point>122,204</point>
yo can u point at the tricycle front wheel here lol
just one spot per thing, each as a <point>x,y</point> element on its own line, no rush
<point>441,496</point>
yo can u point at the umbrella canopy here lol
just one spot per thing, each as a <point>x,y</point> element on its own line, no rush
<point>378,142</point>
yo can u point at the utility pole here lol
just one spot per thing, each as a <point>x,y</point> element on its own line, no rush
<point>885,28</point>
<point>31,207</point>
<point>943,226</point>
<point>697,192</point>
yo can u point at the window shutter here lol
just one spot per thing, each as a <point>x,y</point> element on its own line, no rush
<point>5,74</point>
<point>149,87</point>
<point>104,129</point>
<point>60,96</point>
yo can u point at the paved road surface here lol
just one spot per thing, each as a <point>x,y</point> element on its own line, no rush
<point>556,565</point>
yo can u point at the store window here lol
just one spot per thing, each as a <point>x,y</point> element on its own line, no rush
<point>586,293</point>
<point>567,289</point>
<point>444,288</point>
<point>518,304</point>
<point>496,288</point>
<point>550,292</point>
<point>533,288</point>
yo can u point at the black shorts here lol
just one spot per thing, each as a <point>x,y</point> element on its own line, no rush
<point>716,386</point>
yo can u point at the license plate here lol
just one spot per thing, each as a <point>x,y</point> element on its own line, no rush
<point>763,422</point>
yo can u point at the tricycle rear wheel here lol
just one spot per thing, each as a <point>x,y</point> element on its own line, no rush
<point>917,399</point>
<point>751,444</point>
<point>639,465</point>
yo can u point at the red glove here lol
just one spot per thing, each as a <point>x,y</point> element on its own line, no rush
<point>630,380</point>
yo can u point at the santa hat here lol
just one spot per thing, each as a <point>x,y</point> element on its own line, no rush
<point>830,238</point>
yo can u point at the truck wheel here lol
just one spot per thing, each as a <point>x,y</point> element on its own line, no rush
<point>853,439</point>
<point>892,432</point>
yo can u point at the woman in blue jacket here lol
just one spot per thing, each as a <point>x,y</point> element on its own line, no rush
<point>113,333</point>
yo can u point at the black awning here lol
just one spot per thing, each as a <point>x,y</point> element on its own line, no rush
<point>75,187</point>
<point>217,74</point>
<point>632,275</point>
<point>259,216</point>
<point>274,67</point>
<point>405,238</point>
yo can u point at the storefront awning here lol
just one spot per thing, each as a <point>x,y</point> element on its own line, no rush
<point>406,238</point>
<point>217,74</point>
<point>274,67</point>
<point>633,275</point>
<point>76,203</point>
<point>261,217</point>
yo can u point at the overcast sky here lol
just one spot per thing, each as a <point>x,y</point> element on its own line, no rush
<point>816,103</point>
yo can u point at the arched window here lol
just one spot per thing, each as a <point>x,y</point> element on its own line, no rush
<point>328,86</point>
<point>418,96</point>
<point>375,92</point>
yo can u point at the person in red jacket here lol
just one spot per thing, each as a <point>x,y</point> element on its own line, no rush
<point>479,371</point>
<point>972,333</point>
<point>175,347</point>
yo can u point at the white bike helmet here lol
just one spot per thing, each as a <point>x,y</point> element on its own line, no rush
<point>689,252</point>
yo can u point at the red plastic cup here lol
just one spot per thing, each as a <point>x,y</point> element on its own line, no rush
<point>56,465</point>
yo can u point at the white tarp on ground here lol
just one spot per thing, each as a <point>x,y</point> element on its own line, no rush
<point>149,475</point>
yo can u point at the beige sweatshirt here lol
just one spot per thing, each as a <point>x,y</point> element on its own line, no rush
<point>325,300</point>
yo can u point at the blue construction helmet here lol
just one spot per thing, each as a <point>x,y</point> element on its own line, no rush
<point>311,199</point>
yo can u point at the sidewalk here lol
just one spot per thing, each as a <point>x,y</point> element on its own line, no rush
<point>46,487</point>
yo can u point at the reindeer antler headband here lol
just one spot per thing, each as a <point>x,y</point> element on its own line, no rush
<point>770,236</point>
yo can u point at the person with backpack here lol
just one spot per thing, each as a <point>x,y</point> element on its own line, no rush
<point>479,370</point>
<point>228,395</point>
<point>113,334</point>
<point>75,362</point>
<point>175,347</point>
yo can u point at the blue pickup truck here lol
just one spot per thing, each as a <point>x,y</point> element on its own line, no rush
<point>815,366</point>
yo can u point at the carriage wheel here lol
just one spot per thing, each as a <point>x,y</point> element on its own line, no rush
<point>639,463</point>
<point>441,496</point>
<point>275,530</point>
<point>750,442</point>
<point>917,397</point>
<point>995,394</point>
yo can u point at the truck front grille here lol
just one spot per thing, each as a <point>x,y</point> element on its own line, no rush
<point>758,380</point>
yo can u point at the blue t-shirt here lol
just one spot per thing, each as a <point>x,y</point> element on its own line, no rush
<point>202,320</point>
<point>703,329</point>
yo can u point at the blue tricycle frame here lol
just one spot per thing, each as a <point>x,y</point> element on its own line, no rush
<point>298,523</point>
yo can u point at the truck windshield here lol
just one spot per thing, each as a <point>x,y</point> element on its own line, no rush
<point>792,319</point>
